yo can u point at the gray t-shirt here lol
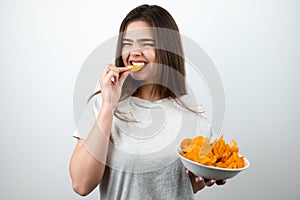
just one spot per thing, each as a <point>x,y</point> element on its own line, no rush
<point>142,162</point>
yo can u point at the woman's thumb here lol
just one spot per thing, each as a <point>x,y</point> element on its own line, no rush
<point>123,77</point>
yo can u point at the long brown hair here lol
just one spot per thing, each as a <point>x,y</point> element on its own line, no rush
<point>166,36</point>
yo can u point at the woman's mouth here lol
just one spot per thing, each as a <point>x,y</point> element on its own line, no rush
<point>137,65</point>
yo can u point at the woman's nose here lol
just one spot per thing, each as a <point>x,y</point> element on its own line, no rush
<point>136,51</point>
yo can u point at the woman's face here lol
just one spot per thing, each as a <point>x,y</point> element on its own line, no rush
<point>138,48</point>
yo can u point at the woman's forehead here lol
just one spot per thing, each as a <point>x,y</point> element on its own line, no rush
<point>138,34</point>
<point>138,30</point>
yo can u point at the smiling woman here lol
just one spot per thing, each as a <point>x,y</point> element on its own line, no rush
<point>142,115</point>
<point>138,48</point>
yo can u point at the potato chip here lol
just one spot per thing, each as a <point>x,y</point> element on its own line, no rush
<point>216,154</point>
<point>185,143</point>
<point>135,68</point>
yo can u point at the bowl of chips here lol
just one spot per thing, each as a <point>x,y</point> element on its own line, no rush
<point>212,160</point>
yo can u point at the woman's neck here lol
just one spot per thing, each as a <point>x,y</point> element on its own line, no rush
<point>148,92</point>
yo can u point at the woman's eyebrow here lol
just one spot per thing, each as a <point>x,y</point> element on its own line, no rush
<point>126,40</point>
<point>139,40</point>
<point>146,40</point>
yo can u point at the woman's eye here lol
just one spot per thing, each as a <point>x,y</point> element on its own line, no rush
<point>126,44</point>
<point>149,44</point>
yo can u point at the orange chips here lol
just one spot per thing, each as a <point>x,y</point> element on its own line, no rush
<point>135,68</point>
<point>217,154</point>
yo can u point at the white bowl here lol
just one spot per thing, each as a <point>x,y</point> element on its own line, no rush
<point>211,172</point>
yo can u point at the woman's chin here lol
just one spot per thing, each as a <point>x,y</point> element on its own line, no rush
<point>145,74</point>
<point>137,76</point>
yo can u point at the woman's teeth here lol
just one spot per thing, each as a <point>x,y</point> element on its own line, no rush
<point>136,66</point>
<point>141,64</point>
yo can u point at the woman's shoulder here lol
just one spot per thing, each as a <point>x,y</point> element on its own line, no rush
<point>190,101</point>
<point>190,104</point>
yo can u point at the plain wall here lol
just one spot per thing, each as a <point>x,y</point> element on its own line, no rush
<point>255,47</point>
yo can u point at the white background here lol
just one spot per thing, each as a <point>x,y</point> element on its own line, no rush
<point>254,45</point>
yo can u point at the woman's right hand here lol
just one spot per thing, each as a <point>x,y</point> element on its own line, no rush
<point>199,182</point>
<point>111,82</point>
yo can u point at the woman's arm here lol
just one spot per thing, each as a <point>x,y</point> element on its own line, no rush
<point>87,164</point>
<point>86,168</point>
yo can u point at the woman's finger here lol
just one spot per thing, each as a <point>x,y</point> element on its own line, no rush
<point>119,69</point>
<point>116,75</point>
<point>124,69</point>
<point>107,79</point>
<point>188,172</point>
<point>107,68</point>
<point>209,182</point>
<point>123,77</point>
<point>220,182</point>
<point>116,70</point>
<point>113,68</point>
<point>198,179</point>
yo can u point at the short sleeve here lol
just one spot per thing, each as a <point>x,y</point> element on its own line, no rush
<point>87,118</point>
<point>76,134</point>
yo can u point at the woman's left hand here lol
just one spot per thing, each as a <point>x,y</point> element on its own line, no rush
<point>199,182</point>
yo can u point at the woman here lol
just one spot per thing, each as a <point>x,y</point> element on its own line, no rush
<point>149,39</point>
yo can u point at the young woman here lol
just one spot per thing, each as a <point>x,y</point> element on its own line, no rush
<point>141,115</point>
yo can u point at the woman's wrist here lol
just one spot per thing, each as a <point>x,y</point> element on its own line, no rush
<point>107,107</point>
